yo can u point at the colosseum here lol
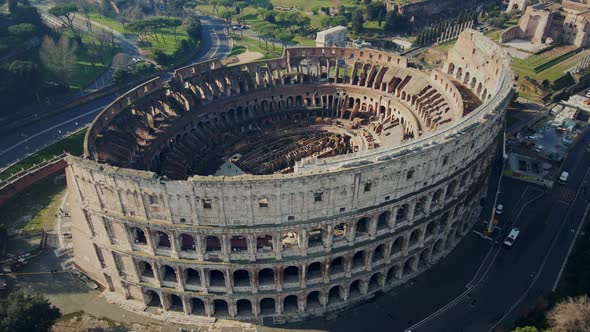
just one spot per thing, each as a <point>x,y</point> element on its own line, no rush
<point>288,188</point>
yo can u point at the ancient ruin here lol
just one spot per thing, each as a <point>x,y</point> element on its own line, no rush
<point>286,188</point>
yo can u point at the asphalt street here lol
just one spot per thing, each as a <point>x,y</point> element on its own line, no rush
<point>18,144</point>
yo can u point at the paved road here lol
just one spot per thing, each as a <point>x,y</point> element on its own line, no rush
<point>17,144</point>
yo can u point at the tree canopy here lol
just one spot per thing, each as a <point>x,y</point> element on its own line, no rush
<point>23,312</point>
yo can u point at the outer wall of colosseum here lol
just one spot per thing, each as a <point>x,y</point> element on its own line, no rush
<point>294,245</point>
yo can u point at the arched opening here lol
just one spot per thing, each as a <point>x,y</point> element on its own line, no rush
<point>290,240</point>
<point>314,238</point>
<point>430,229</point>
<point>241,278</point>
<point>267,306</point>
<point>264,243</point>
<point>451,190</point>
<point>402,213</point>
<point>379,254</point>
<point>314,271</point>
<point>238,243</point>
<point>187,242</point>
<point>383,221</point>
<point>420,206</point>
<point>340,232</point>
<point>266,277</point>
<point>398,246</point>
<point>375,282</point>
<point>424,259</point>
<point>414,237</point>
<point>337,266</point>
<point>198,306</point>
<point>393,274</point>
<point>175,303</point>
<point>355,289</point>
<point>168,273</point>
<point>138,236</point>
<point>409,266</point>
<point>290,304</point>
<point>220,308</point>
<point>335,295</point>
<point>313,300</point>
<point>358,260</point>
<point>362,227</point>
<point>145,269</point>
<point>216,278</point>
<point>212,244</point>
<point>438,248</point>
<point>163,240</point>
<point>193,278</point>
<point>244,308</point>
<point>437,198</point>
<point>291,274</point>
<point>153,299</point>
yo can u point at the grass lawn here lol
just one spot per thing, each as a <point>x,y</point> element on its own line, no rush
<point>562,57</point>
<point>110,22</point>
<point>35,207</point>
<point>72,145</point>
<point>253,46</point>
<point>303,41</point>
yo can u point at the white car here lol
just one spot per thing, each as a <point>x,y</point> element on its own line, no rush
<point>539,148</point>
<point>499,209</point>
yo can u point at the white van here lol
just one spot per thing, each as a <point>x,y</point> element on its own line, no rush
<point>563,177</point>
<point>499,209</point>
<point>511,238</point>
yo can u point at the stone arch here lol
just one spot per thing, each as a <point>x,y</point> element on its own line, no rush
<point>168,273</point>
<point>152,299</point>
<point>216,278</point>
<point>315,238</point>
<point>264,243</point>
<point>220,308</point>
<point>451,68</point>
<point>375,282</point>
<point>313,300</point>
<point>459,73</point>
<point>340,231</point>
<point>451,189</point>
<point>198,306</point>
<point>335,295</point>
<point>176,303</point>
<point>212,243</point>
<point>420,206</point>
<point>290,240</point>
<point>393,274</point>
<point>437,198</point>
<point>402,213</point>
<point>362,227</point>
<point>290,304</point>
<point>267,306</point>
<point>424,258</point>
<point>291,274</point>
<point>241,278</point>
<point>479,87</point>
<point>355,289</point>
<point>145,269</point>
<point>383,220</point>
<point>192,277</point>
<point>266,277</point>
<point>397,247</point>
<point>409,265</point>
<point>358,260</point>
<point>138,236</point>
<point>473,83</point>
<point>438,248</point>
<point>314,271</point>
<point>244,308</point>
<point>187,242</point>
<point>162,240</point>
<point>379,253</point>
<point>238,243</point>
<point>430,229</point>
<point>337,265</point>
<point>414,237</point>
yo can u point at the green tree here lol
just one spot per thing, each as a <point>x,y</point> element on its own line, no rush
<point>284,37</point>
<point>526,329</point>
<point>23,312</point>
<point>66,13</point>
<point>60,57</point>
<point>194,29</point>
<point>22,31</point>
<point>396,23</point>
<point>357,21</point>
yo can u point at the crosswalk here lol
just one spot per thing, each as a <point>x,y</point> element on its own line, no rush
<point>567,195</point>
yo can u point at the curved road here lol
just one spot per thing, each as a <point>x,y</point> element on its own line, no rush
<point>18,144</point>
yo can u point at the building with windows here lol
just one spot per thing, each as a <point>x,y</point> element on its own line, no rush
<point>357,172</point>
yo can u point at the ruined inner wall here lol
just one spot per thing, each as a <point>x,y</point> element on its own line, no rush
<point>294,245</point>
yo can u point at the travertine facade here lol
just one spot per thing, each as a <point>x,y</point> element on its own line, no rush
<point>315,237</point>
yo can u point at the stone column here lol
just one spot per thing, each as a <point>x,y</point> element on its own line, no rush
<point>328,238</point>
<point>186,305</point>
<point>302,275</point>
<point>277,245</point>
<point>253,281</point>
<point>373,226</point>
<point>179,278</point>
<point>279,278</point>
<point>157,275</point>
<point>204,274</point>
<point>173,245</point>
<point>225,248</point>
<point>200,247</point>
<point>150,241</point>
<point>229,281</point>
